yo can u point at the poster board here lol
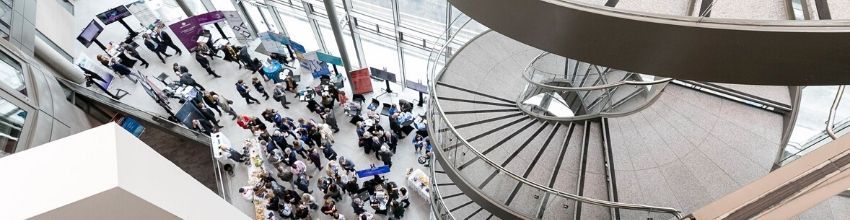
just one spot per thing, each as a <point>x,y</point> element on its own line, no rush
<point>187,31</point>
<point>240,28</point>
<point>362,81</point>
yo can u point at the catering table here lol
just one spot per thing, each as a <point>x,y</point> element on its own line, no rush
<point>420,182</point>
<point>255,172</point>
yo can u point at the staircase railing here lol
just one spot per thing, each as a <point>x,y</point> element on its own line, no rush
<point>451,150</point>
<point>602,98</point>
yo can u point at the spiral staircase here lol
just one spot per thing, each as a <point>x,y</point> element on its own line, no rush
<point>525,134</point>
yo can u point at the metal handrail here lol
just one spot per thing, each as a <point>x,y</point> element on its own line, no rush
<point>529,67</point>
<point>835,102</point>
<point>437,108</point>
<point>654,93</point>
<point>436,191</point>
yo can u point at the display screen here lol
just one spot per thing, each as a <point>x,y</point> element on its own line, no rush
<point>90,33</point>
<point>114,14</point>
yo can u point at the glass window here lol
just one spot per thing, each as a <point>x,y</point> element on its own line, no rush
<point>11,123</point>
<point>223,5</point>
<point>256,17</point>
<point>11,75</point>
<point>298,28</point>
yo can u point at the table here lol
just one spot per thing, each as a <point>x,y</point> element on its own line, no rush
<point>419,182</point>
<point>273,71</point>
<point>255,172</point>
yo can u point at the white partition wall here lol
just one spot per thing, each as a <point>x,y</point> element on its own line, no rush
<point>103,173</point>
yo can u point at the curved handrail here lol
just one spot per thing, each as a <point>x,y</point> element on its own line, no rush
<point>529,68</point>
<point>607,89</point>
<point>694,48</point>
<point>832,110</point>
<point>435,191</point>
<point>436,107</point>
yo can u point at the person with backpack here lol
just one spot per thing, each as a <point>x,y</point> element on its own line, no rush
<point>243,91</point>
<point>303,183</point>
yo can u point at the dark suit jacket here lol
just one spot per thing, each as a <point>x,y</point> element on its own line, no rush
<point>165,38</point>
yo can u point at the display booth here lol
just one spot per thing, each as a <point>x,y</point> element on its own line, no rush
<point>188,30</point>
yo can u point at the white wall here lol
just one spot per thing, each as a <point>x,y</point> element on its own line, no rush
<point>103,173</point>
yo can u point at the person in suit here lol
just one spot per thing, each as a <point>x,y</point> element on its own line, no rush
<point>186,79</point>
<point>205,63</point>
<point>131,51</point>
<point>208,114</point>
<point>166,40</point>
<point>243,91</point>
<point>258,85</point>
<point>155,46</point>
<point>203,126</point>
<point>279,94</point>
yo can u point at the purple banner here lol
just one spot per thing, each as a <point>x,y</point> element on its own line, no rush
<point>209,18</point>
<point>190,28</point>
<point>187,31</point>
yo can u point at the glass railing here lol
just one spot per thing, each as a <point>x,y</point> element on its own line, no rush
<point>583,91</point>
<point>439,208</point>
<point>534,201</point>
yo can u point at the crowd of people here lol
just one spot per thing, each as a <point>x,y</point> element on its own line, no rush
<point>289,143</point>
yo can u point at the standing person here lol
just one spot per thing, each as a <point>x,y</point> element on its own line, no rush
<point>330,119</point>
<point>342,98</point>
<point>130,50</point>
<point>211,102</point>
<point>243,91</point>
<point>166,40</point>
<point>386,156</point>
<point>224,104</point>
<point>291,85</point>
<point>405,198</point>
<point>279,94</point>
<point>259,86</point>
<point>155,46</point>
<point>186,79</point>
<point>391,140</point>
<point>231,54</point>
<point>203,126</point>
<point>208,114</point>
<point>205,63</point>
<point>315,157</point>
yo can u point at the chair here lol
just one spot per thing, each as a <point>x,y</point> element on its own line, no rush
<point>374,105</point>
<point>386,109</point>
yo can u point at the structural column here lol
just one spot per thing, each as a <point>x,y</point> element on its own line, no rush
<point>241,8</point>
<point>340,43</point>
<point>355,34</point>
<point>398,38</point>
<point>185,7</point>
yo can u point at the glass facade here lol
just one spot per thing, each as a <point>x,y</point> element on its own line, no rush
<point>11,74</point>
<point>12,120</point>
<point>421,23</point>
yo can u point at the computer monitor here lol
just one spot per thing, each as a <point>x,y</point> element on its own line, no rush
<point>114,14</point>
<point>90,33</point>
<point>382,75</point>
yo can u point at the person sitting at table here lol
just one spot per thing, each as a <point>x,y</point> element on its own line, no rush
<point>202,125</point>
<point>345,164</point>
<point>186,79</point>
<point>233,154</point>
